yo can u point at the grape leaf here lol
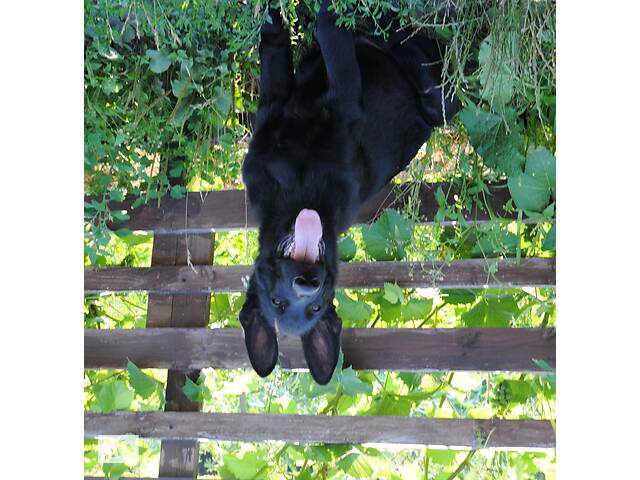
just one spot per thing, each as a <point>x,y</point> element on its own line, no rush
<point>352,384</point>
<point>491,312</point>
<point>528,192</point>
<point>143,384</point>
<point>114,395</point>
<point>388,237</point>
<point>541,163</point>
<point>244,467</point>
<point>393,293</point>
<point>346,249</point>
<point>160,61</point>
<point>196,392</point>
<point>458,296</point>
<point>352,312</point>
<point>416,309</point>
<point>549,242</point>
<point>114,470</point>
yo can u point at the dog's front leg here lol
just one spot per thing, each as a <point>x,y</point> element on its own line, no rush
<point>339,55</point>
<point>276,66</point>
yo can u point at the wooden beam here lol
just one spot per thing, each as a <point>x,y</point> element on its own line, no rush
<point>404,349</point>
<point>226,209</point>
<point>179,457</point>
<point>470,273</point>
<point>324,429</point>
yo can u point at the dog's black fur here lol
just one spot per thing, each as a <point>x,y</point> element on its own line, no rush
<point>327,138</point>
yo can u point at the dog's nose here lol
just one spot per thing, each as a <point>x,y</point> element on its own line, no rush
<point>305,286</point>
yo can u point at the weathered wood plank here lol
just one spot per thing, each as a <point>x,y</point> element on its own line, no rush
<point>423,349</point>
<point>226,209</point>
<point>179,457</point>
<point>324,429</point>
<point>470,273</point>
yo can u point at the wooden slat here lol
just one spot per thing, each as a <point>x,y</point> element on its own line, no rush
<point>226,209</point>
<point>471,273</point>
<point>179,457</point>
<point>324,429</point>
<point>423,349</point>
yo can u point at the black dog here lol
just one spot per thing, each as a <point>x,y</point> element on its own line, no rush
<point>327,139</point>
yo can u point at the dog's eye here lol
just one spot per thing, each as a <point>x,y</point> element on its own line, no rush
<point>276,301</point>
<point>315,308</point>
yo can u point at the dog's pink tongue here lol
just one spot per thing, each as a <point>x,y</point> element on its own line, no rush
<point>307,236</point>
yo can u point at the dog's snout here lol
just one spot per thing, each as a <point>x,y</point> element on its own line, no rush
<point>305,286</point>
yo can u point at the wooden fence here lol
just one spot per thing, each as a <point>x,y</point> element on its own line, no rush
<point>176,336</point>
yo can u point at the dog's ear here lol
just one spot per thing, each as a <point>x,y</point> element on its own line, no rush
<point>322,346</point>
<point>259,337</point>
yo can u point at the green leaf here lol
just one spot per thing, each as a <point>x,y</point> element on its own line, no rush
<point>458,296</point>
<point>393,293</point>
<point>221,307</point>
<point>544,365</point>
<point>495,241</point>
<point>491,312</point>
<point>442,457</point>
<point>352,384</point>
<point>346,249</point>
<point>116,195</point>
<point>143,384</point>
<point>115,395</point>
<point>496,79</point>
<point>119,215</point>
<point>160,61</point>
<point>500,147</point>
<point>133,239</point>
<point>244,467</point>
<point>196,392</point>
<point>222,102</point>
<point>356,465</point>
<point>390,313</point>
<point>440,198</point>
<point>178,191</point>
<point>181,88</point>
<point>416,309</point>
<point>411,379</point>
<point>529,193</point>
<point>549,242</point>
<point>542,164</point>
<point>480,125</point>
<point>512,391</point>
<point>352,312</point>
<point>114,470</point>
<point>389,405</point>
<point>176,170</point>
<point>388,237</point>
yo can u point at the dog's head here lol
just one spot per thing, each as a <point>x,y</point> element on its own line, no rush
<point>291,292</point>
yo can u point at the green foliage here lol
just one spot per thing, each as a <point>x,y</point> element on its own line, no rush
<point>352,312</point>
<point>492,312</point>
<point>393,293</point>
<point>245,467</point>
<point>112,396</point>
<point>531,190</point>
<point>550,239</point>
<point>388,237</point>
<point>143,384</point>
<point>114,470</point>
<point>346,249</point>
<point>196,391</point>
